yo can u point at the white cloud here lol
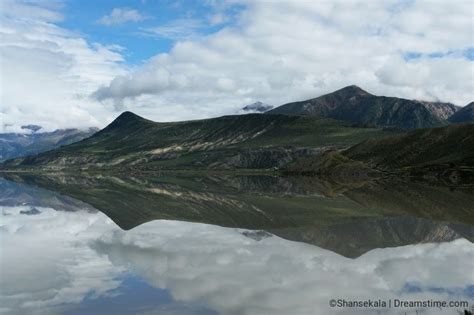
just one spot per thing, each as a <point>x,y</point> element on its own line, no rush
<point>121,16</point>
<point>47,72</point>
<point>38,10</point>
<point>273,51</point>
<point>281,51</point>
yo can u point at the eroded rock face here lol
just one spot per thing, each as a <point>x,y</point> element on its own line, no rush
<point>441,110</point>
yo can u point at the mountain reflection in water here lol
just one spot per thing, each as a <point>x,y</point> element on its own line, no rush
<point>231,245</point>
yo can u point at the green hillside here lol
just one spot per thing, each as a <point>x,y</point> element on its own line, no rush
<point>243,141</point>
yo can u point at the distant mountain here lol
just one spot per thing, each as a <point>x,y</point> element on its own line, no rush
<point>14,145</point>
<point>257,107</point>
<point>352,104</point>
<point>229,142</point>
<point>464,115</point>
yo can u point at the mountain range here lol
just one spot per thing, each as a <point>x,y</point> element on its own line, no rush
<point>14,145</point>
<point>326,131</point>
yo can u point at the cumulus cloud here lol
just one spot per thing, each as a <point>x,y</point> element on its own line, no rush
<point>283,51</point>
<point>47,72</point>
<point>272,51</point>
<point>121,16</point>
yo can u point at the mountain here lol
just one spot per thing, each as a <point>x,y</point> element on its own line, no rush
<point>229,142</point>
<point>354,105</point>
<point>14,145</point>
<point>446,151</point>
<point>464,115</point>
<point>257,107</point>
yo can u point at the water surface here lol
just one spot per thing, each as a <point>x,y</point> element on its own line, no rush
<point>230,245</point>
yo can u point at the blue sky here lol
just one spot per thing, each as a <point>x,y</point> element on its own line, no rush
<point>138,43</point>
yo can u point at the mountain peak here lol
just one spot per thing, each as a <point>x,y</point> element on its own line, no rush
<point>124,120</point>
<point>351,90</point>
<point>127,116</point>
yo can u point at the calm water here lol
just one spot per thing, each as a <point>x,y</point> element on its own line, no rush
<point>246,245</point>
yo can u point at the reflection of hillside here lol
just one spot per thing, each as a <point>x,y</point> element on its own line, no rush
<point>349,218</point>
<point>355,237</point>
<point>415,198</point>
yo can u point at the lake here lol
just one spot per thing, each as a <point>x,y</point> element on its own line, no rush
<point>233,244</point>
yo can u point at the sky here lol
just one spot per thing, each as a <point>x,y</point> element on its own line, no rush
<point>71,63</point>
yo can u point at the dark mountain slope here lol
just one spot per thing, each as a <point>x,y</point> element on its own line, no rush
<point>224,142</point>
<point>357,106</point>
<point>464,115</point>
<point>438,146</point>
<point>446,151</point>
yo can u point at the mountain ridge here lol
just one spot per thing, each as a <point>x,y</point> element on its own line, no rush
<point>355,105</point>
<point>253,141</point>
<point>227,141</point>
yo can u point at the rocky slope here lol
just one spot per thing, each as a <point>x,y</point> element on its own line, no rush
<point>357,106</point>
